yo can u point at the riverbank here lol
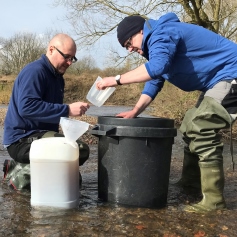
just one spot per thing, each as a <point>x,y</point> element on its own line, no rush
<point>90,117</point>
<point>77,87</point>
<point>92,120</point>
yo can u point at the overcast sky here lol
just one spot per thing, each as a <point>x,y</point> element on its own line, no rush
<point>39,16</point>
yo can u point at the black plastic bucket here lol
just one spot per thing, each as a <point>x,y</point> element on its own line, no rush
<point>134,158</point>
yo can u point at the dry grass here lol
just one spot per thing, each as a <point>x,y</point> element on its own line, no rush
<point>170,103</point>
<point>5,89</point>
<point>2,115</point>
<point>77,88</point>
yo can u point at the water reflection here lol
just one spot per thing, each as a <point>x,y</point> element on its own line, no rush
<point>112,111</point>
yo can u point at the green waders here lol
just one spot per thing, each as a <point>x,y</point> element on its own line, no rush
<point>205,141</point>
<point>17,175</point>
<point>190,177</point>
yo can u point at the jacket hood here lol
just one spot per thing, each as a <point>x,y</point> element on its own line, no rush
<point>169,17</point>
<point>151,25</point>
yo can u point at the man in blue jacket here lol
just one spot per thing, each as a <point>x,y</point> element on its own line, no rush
<point>36,106</point>
<point>191,58</point>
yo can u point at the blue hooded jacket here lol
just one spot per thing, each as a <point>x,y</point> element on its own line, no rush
<point>188,56</point>
<point>36,103</point>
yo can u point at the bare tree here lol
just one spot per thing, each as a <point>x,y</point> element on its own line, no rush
<point>20,50</point>
<point>93,19</point>
<point>87,64</point>
<point>219,16</point>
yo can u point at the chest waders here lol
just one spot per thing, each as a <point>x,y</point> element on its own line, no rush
<point>190,177</point>
<point>201,127</point>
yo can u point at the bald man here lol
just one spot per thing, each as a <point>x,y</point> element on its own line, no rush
<point>36,106</point>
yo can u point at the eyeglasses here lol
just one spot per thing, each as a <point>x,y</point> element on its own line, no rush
<point>67,57</point>
<point>128,44</point>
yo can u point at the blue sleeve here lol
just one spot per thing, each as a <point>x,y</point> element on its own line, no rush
<point>153,86</point>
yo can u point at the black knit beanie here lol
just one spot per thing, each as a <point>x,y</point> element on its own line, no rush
<point>128,27</point>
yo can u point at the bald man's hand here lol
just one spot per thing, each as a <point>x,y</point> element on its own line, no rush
<point>78,108</point>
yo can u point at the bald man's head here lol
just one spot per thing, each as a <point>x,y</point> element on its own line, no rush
<point>62,39</point>
<point>61,52</point>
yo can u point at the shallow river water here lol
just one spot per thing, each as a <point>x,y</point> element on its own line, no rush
<point>95,218</point>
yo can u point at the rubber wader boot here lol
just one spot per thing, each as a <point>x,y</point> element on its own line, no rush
<point>16,175</point>
<point>212,181</point>
<point>20,180</point>
<point>190,177</point>
<point>8,168</point>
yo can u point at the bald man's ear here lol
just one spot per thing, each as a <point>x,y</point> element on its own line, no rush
<point>51,48</point>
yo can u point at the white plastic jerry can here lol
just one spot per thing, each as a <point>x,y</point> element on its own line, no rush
<point>54,168</point>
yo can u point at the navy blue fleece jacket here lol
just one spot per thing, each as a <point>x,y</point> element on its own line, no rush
<point>36,103</point>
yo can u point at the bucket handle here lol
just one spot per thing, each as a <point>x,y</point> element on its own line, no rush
<point>95,131</point>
